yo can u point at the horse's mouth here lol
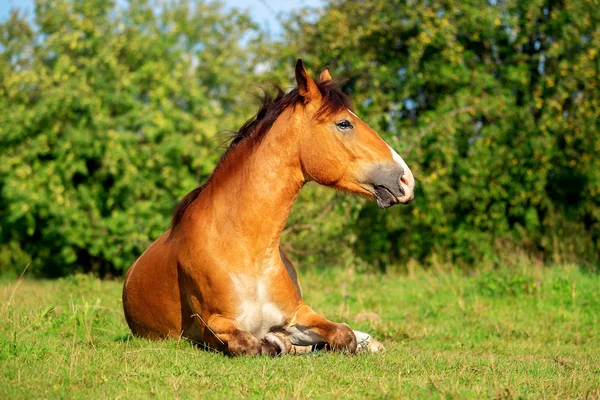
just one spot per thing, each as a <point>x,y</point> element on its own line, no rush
<point>384,196</point>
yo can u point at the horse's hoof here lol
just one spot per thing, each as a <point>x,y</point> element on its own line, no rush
<point>367,344</point>
<point>301,349</point>
<point>375,347</point>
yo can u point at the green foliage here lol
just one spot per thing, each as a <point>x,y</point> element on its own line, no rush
<point>506,283</point>
<point>110,116</point>
<point>111,111</point>
<point>494,105</point>
<point>445,338</point>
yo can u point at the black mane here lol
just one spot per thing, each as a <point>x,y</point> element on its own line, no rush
<point>273,103</point>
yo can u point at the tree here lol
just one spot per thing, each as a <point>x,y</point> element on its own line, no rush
<point>110,117</point>
<point>495,105</point>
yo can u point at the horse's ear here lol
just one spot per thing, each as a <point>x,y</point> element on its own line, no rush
<point>307,87</point>
<point>325,75</point>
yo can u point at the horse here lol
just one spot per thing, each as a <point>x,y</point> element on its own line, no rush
<point>218,275</point>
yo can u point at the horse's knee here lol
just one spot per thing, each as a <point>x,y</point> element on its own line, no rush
<point>342,339</point>
<point>242,343</point>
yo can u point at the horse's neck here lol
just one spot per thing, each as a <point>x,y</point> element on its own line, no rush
<point>251,194</point>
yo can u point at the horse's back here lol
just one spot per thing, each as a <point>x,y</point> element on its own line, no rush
<point>151,299</point>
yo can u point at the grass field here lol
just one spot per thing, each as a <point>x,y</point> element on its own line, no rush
<point>524,333</point>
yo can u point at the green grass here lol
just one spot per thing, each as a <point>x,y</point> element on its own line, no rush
<point>530,333</point>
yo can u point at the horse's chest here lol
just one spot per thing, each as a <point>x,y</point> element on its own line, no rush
<point>257,312</point>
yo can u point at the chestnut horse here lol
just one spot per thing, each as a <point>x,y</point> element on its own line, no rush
<point>218,275</point>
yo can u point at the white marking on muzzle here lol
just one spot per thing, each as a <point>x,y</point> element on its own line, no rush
<point>400,161</point>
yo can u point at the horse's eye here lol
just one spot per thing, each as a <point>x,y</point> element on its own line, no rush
<point>343,125</point>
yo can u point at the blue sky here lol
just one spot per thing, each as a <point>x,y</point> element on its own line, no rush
<point>262,11</point>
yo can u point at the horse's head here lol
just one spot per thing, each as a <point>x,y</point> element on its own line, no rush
<point>339,150</point>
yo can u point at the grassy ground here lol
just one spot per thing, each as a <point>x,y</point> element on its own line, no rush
<point>527,333</point>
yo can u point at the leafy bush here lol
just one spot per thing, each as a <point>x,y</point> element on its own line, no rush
<point>495,108</point>
<point>110,116</point>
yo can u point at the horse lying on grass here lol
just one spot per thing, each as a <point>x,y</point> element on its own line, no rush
<point>218,276</point>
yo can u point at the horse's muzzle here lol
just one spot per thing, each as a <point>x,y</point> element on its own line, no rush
<point>391,185</point>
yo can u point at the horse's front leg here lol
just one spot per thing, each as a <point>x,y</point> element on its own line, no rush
<point>308,328</point>
<point>223,334</point>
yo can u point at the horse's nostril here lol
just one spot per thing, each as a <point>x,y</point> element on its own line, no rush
<point>404,180</point>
